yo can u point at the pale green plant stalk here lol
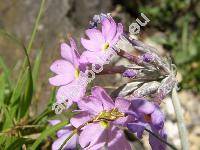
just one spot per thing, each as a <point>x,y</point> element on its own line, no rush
<point>180,121</point>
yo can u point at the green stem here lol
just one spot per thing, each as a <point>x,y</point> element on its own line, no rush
<point>180,121</point>
<point>47,132</point>
<point>67,139</point>
<point>72,134</point>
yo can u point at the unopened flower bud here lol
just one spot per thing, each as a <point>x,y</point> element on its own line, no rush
<point>147,57</point>
<point>130,73</point>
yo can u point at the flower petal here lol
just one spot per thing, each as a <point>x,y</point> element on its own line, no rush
<point>54,122</point>
<point>95,57</point>
<point>70,53</point>
<point>105,27</point>
<point>117,140</point>
<point>122,104</point>
<point>101,95</point>
<point>155,143</point>
<point>118,34</point>
<point>91,104</point>
<point>157,118</point>
<point>91,45</point>
<point>97,146</point>
<point>62,67</point>
<point>95,35</point>
<point>80,119</point>
<point>123,121</point>
<point>59,80</point>
<point>65,130</point>
<point>90,134</point>
<point>67,52</point>
<point>112,30</point>
<point>142,106</point>
<point>137,128</point>
<point>73,92</point>
<point>75,52</point>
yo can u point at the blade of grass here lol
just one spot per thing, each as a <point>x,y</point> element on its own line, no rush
<point>47,111</point>
<point>17,144</point>
<point>36,68</point>
<point>8,121</point>
<point>18,90</point>
<point>6,71</point>
<point>184,40</point>
<point>2,89</point>
<point>15,102</point>
<point>26,100</point>
<point>49,131</point>
<point>35,27</point>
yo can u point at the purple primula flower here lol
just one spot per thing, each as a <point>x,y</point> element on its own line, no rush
<point>147,114</point>
<point>69,76</point>
<point>100,43</point>
<point>104,116</point>
<point>62,135</point>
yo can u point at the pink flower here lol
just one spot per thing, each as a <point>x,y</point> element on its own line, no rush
<point>101,42</point>
<point>106,116</point>
<point>69,76</point>
<point>62,135</point>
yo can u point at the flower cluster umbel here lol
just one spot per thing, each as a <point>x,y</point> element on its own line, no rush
<point>100,120</point>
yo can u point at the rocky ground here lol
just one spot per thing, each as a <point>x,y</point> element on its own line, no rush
<point>63,17</point>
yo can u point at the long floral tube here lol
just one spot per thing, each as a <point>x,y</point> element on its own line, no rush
<point>112,70</point>
<point>129,56</point>
<point>149,51</point>
<point>139,45</point>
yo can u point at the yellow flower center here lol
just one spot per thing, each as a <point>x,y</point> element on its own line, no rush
<point>105,46</point>
<point>104,124</point>
<point>77,73</point>
<point>110,115</point>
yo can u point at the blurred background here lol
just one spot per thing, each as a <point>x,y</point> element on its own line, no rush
<point>174,29</point>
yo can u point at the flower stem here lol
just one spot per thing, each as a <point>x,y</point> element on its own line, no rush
<point>73,133</point>
<point>180,121</point>
<point>128,56</point>
<point>161,139</point>
<point>112,70</point>
<point>67,139</point>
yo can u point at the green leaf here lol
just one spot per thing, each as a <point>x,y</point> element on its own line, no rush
<point>5,141</point>
<point>2,89</point>
<point>25,79</point>
<point>185,35</point>
<point>48,132</point>
<point>36,68</point>
<point>19,87</point>
<point>6,71</point>
<point>17,144</point>
<point>52,97</point>
<point>26,100</point>
<point>8,119</point>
